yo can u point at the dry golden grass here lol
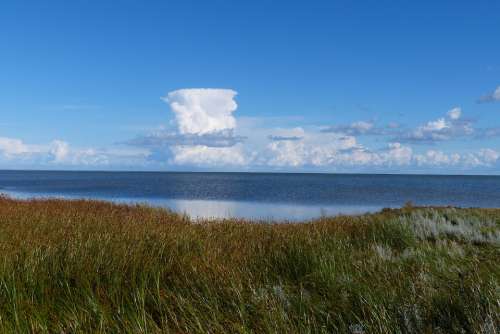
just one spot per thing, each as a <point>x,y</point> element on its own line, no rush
<point>96,267</point>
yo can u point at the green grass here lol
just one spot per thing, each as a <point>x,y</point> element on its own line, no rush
<point>95,267</point>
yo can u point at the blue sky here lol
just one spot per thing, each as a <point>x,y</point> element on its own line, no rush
<point>327,86</point>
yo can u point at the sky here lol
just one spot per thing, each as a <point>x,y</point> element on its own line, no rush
<point>282,86</point>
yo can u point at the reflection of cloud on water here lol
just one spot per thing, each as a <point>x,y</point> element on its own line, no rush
<point>253,210</point>
<point>206,209</point>
<point>203,209</point>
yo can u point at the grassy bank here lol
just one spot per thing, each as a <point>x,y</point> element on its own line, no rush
<point>85,267</point>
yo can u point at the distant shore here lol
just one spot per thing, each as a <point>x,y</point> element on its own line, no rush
<point>92,266</point>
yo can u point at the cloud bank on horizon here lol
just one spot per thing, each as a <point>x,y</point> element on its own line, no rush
<point>205,133</point>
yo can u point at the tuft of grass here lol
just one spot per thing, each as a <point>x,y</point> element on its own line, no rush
<point>96,267</point>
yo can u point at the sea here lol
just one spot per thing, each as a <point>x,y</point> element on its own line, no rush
<point>262,196</point>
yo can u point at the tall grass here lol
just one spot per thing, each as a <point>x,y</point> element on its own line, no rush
<point>95,267</point>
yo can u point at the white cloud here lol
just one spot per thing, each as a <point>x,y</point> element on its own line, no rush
<point>59,150</point>
<point>437,158</point>
<point>362,126</point>
<point>209,156</point>
<point>287,153</point>
<point>488,155</point>
<point>455,113</point>
<point>442,129</point>
<point>10,147</point>
<point>437,125</point>
<point>493,97</point>
<point>398,154</point>
<point>314,149</point>
<point>482,158</point>
<point>203,117</point>
<point>323,150</point>
<point>60,153</point>
<point>203,110</point>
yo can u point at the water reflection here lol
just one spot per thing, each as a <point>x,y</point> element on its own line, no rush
<point>206,209</point>
<point>252,210</point>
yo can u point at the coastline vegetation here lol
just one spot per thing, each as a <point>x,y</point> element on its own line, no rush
<point>95,267</point>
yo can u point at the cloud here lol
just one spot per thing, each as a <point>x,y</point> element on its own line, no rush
<point>394,154</point>
<point>59,150</point>
<point>437,158</point>
<point>397,154</point>
<point>60,153</point>
<point>284,138</point>
<point>205,156</point>
<point>492,97</point>
<point>287,153</point>
<point>483,158</point>
<point>488,156</point>
<point>362,128</point>
<point>446,128</point>
<point>353,128</point>
<point>333,150</point>
<point>10,147</point>
<point>393,125</point>
<point>203,110</point>
<point>225,138</point>
<point>487,133</point>
<point>281,134</point>
<point>455,113</point>
<point>205,132</point>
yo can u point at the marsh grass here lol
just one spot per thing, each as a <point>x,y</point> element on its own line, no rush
<point>95,267</point>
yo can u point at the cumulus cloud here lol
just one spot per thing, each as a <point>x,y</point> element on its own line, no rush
<point>60,153</point>
<point>334,150</point>
<point>205,129</point>
<point>398,154</point>
<point>287,153</point>
<point>10,147</point>
<point>482,158</point>
<point>488,156</point>
<point>455,113</point>
<point>446,128</point>
<point>202,111</point>
<point>201,155</point>
<point>59,150</point>
<point>437,158</point>
<point>15,149</point>
<point>492,97</point>
<point>345,152</point>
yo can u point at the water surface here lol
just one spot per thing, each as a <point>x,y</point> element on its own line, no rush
<point>258,195</point>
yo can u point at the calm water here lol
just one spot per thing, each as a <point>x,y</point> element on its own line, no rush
<point>278,196</point>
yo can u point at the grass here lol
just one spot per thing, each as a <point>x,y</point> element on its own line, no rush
<point>96,267</point>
